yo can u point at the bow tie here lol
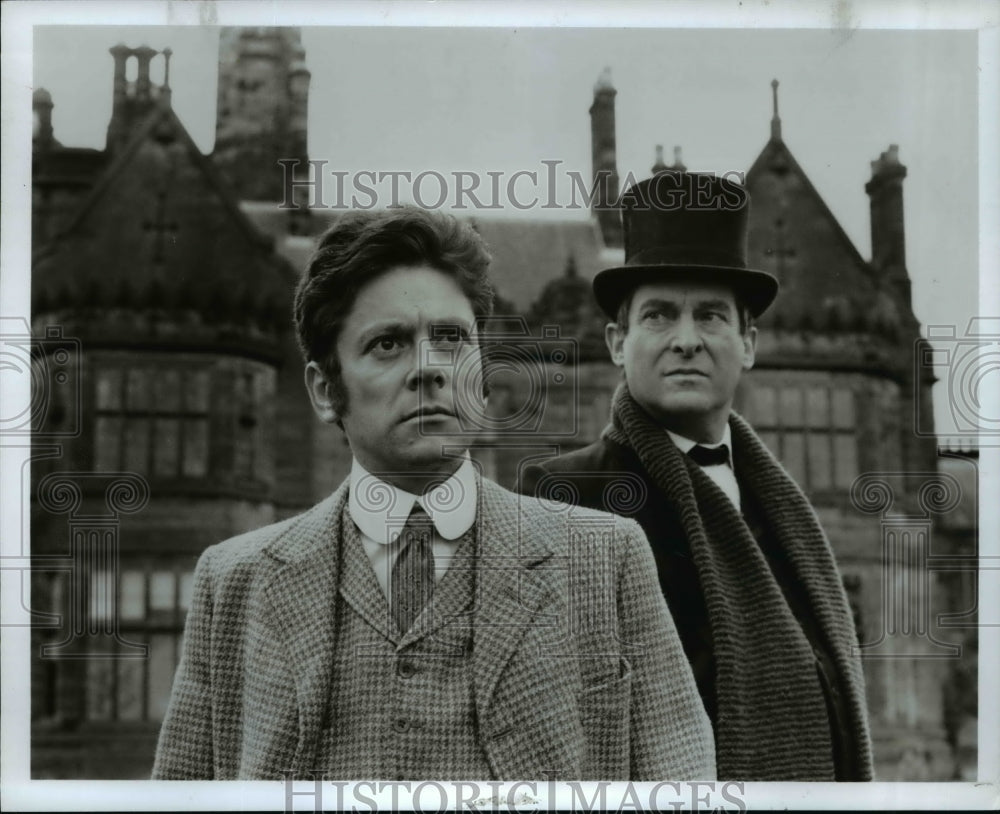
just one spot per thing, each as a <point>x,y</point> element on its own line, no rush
<point>709,456</point>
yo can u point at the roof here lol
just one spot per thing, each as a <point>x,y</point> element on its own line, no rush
<point>527,254</point>
<point>825,282</point>
<point>159,229</point>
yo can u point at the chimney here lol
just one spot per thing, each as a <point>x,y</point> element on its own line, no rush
<point>130,100</point>
<point>885,189</point>
<point>604,159</point>
<point>41,107</point>
<point>658,165</point>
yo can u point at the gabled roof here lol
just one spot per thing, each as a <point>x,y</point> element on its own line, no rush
<point>159,229</point>
<point>825,282</point>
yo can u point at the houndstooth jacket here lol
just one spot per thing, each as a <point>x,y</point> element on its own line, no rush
<point>576,666</point>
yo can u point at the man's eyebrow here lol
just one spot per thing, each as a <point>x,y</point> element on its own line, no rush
<point>657,302</point>
<point>721,304</point>
<point>392,327</point>
<point>453,322</point>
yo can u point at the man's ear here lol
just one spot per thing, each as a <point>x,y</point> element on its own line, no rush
<point>749,348</point>
<point>318,385</point>
<point>614,338</point>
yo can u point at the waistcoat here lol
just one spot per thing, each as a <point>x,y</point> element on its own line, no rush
<point>402,706</point>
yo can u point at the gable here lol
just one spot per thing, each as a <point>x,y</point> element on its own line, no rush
<point>159,225</point>
<point>794,236</point>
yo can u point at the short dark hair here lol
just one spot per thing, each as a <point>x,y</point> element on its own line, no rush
<point>361,246</point>
<point>742,310</point>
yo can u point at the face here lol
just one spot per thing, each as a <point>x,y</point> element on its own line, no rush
<point>410,364</point>
<point>683,355</point>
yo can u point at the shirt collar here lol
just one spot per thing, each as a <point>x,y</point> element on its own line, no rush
<point>378,508</point>
<point>685,444</point>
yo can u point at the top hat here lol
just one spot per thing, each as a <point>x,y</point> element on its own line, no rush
<point>685,226</point>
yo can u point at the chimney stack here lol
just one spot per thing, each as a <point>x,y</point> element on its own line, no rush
<point>605,161</point>
<point>885,189</point>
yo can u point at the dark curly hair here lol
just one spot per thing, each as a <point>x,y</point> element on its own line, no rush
<point>361,246</point>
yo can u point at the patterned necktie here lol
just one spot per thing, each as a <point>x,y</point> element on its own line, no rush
<point>412,578</point>
<point>709,456</point>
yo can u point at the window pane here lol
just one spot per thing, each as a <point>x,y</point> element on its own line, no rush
<point>101,596</point>
<point>161,674</point>
<point>791,407</point>
<point>109,389</point>
<point>133,596</point>
<point>845,456</point>
<point>819,461</point>
<point>167,387</point>
<point>817,413</point>
<point>184,600</point>
<point>161,591</point>
<point>166,446</point>
<point>196,392</point>
<point>770,440</point>
<point>138,389</point>
<point>764,404</point>
<point>137,445</point>
<point>195,462</point>
<point>108,443</point>
<point>843,409</point>
<point>130,681</point>
<point>99,689</point>
<point>793,456</point>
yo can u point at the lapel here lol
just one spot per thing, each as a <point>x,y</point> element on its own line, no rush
<point>359,586</point>
<point>512,545</point>
<point>301,593</point>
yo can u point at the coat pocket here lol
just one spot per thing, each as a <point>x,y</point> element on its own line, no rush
<point>605,711</point>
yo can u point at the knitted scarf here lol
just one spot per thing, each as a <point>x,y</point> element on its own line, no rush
<point>772,720</point>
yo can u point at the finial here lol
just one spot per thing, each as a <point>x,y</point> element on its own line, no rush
<point>678,163</point>
<point>167,53</point>
<point>775,121</point>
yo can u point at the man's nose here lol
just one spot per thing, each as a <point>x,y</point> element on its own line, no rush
<point>431,367</point>
<point>686,338</point>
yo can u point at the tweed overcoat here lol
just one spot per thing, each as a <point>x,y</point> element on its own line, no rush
<point>576,665</point>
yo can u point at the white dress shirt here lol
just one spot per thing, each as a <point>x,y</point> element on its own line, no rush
<point>380,510</point>
<point>722,474</point>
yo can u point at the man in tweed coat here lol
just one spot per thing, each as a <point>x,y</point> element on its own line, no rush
<point>743,563</point>
<point>423,622</point>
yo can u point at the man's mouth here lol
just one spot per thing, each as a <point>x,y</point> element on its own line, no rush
<point>686,371</point>
<point>427,412</point>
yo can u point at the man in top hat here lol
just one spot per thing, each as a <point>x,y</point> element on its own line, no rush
<point>743,563</point>
<point>423,622</point>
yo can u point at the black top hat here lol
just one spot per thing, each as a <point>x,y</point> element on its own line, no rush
<point>685,225</point>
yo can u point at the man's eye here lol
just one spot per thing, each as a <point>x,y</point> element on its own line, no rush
<point>384,344</point>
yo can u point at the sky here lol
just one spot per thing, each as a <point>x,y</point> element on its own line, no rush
<point>507,98</point>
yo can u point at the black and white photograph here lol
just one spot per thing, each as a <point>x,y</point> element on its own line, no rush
<point>457,406</point>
